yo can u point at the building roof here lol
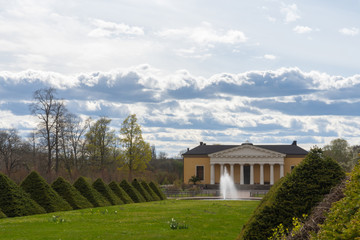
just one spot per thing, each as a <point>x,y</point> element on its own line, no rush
<point>204,149</point>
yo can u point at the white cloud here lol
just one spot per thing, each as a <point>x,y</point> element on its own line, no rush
<point>205,34</point>
<point>111,29</point>
<point>177,108</point>
<point>349,31</point>
<point>271,19</point>
<point>302,29</point>
<point>291,12</point>
<point>269,57</point>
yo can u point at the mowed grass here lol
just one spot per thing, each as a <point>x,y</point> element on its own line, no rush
<point>204,219</point>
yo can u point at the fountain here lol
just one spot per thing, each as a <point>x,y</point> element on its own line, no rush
<point>227,186</point>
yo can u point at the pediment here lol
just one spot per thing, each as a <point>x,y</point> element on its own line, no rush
<point>247,151</point>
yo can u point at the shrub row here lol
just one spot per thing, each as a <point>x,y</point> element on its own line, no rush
<point>296,194</point>
<point>14,201</point>
<point>343,220</point>
<point>35,196</point>
<point>43,194</point>
<point>119,191</point>
<point>132,192</point>
<point>2,215</point>
<point>70,194</point>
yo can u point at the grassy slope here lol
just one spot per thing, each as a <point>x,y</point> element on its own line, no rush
<point>206,220</point>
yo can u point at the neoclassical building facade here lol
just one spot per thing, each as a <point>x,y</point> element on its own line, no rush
<point>245,163</point>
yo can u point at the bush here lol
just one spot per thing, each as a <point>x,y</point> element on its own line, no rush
<point>157,190</point>
<point>141,190</point>
<point>43,194</point>
<point>132,192</point>
<point>104,189</point>
<point>119,191</point>
<point>14,201</point>
<point>70,194</point>
<point>294,196</point>
<point>343,220</point>
<point>153,195</point>
<point>92,195</point>
<point>2,215</point>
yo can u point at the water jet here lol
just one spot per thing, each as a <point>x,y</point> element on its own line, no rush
<point>227,186</point>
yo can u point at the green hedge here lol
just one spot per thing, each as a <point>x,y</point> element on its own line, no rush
<point>141,190</point>
<point>70,194</point>
<point>157,190</point>
<point>43,194</point>
<point>104,189</point>
<point>93,196</point>
<point>132,192</point>
<point>294,196</point>
<point>14,201</point>
<point>119,191</point>
<point>2,215</point>
<point>153,195</point>
<point>343,219</point>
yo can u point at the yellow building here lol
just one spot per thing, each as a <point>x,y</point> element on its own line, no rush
<point>245,163</point>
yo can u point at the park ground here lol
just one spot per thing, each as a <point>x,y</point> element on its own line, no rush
<point>199,219</point>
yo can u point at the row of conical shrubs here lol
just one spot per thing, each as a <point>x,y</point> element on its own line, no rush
<point>36,196</point>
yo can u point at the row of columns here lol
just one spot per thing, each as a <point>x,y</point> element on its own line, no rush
<point>212,172</point>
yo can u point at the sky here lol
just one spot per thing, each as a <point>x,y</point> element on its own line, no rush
<point>220,72</point>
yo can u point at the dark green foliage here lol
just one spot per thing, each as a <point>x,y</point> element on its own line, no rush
<point>343,219</point>
<point>141,190</point>
<point>157,190</point>
<point>132,192</point>
<point>92,195</point>
<point>70,194</point>
<point>2,215</point>
<point>14,201</point>
<point>43,194</point>
<point>104,189</point>
<point>293,196</point>
<point>153,195</point>
<point>119,191</point>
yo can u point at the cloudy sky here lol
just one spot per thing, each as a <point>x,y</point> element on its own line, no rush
<point>265,71</point>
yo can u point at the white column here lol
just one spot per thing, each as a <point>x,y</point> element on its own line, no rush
<point>262,174</point>
<point>221,169</point>
<point>272,174</point>
<point>212,173</point>
<point>281,170</point>
<point>252,173</point>
<point>232,171</point>
<point>241,173</point>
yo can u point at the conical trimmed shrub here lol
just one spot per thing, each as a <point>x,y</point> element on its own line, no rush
<point>296,195</point>
<point>132,192</point>
<point>43,194</point>
<point>141,190</point>
<point>93,196</point>
<point>119,191</point>
<point>14,201</point>
<point>2,215</point>
<point>150,191</point>
<point>104,189</point>
<point>70,194</point>
<point>157,190</point>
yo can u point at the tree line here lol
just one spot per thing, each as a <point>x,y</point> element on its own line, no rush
<point>65,144</point>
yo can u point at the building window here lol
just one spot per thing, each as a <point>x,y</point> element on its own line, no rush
<point>200,172</point>
<point>291,168</point>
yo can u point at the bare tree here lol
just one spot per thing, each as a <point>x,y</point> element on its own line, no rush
<point>45,107</point>
<point>11,150</point>
<point>72,134</point>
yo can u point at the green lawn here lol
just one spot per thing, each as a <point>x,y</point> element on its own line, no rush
<point>204,219</point>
